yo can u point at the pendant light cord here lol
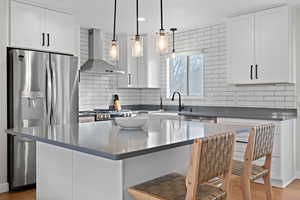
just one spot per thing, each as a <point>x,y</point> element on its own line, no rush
<point>137,17</point>
<point>115,16</point>
<point>161,16</point>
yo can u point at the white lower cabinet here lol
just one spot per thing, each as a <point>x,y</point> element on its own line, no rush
<point>283,162</point>
<point>54,172</point>
<point>96,178</point>
<point>64,174</point>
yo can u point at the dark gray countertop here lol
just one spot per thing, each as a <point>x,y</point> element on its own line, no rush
<point>105,139</point>
<point>276,114</point>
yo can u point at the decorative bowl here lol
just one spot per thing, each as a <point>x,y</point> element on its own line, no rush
<point>137,122</point>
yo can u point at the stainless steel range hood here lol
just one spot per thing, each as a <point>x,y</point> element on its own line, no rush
<point>96,64</point>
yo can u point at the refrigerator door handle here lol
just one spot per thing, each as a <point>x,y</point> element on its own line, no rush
<point>53,93</point>
<point>48,93</point>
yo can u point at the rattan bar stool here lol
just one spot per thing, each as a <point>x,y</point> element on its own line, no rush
<point>260,145</point>
<point>211,157</point>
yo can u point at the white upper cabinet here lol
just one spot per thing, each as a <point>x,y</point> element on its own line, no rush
<point>127,64</point>
<point>261,48</point>
<point>33,27</point>
<point>27,26</point>
<point>241,39</point>
<point>272,45</point>
<point>60,27</point>
<point>141,72</point>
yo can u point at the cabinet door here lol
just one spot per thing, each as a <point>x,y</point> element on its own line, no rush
<point>142,72</point>
<point>272,45</point>
<point>27,26</point>
<point>142,65</point>
<point>123,80</point>
<point>152,63</point>
<point>241,40</point>
<point>133,79</point>
<point>127,63</point>
<point>61,30</point>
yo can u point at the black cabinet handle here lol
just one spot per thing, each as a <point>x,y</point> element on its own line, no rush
<point>256,73</point>
<point>129,79</point>
<point>251,72</point>
<point>43,42</point>
<point>79,76</point>
<point>48,39</point>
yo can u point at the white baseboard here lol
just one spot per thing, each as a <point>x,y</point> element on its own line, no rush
<point>278,183</point>
<point>289,182</point>
<point>4,187</point>
<point>297,174</point>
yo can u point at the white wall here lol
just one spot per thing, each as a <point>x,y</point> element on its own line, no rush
<point>96,91</point>
<point>213,40</point>
<point>297,36</point>
<point>216,91</point>
<point>3,115</point>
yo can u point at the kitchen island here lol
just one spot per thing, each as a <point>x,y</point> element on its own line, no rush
<point>100,160</point>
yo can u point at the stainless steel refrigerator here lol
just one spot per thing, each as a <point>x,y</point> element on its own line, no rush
<point>42,91</point>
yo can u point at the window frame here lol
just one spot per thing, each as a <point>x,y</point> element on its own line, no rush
<point>168,71</point>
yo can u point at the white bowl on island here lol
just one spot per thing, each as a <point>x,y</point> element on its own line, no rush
<point>137,122</point>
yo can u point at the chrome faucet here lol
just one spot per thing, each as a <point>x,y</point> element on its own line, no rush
<point>180,107</point>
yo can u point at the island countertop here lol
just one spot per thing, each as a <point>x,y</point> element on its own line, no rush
<point>107,140</point>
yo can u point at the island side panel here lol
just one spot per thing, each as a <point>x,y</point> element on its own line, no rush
<point>147,167</point>
<point>97,178</point>
<point>54,172</point>
<point>71,175</point>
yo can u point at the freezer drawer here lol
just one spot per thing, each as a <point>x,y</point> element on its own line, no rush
<point>22,162</point>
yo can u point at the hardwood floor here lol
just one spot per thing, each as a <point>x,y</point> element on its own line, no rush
<point>292,192</point>
<point>26,195</point>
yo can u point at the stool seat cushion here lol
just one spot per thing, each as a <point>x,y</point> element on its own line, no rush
<point>257,171</point>
<point>172,187</point>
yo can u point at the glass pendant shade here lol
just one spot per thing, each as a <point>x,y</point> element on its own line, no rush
<point>173,55</point>
<point>114,51</point>
<point>137,46</point>
<point>162,42</point>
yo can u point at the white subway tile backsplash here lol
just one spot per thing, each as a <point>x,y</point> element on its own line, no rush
<point>213,41</point>
<point>97,91</point>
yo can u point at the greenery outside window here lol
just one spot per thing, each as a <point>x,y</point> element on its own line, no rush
<point>186,74</point>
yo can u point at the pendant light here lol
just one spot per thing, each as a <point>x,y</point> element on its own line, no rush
<point>137,40</point>
<point>162,36</point>
<point>114,49</point>
<point>173,49</point>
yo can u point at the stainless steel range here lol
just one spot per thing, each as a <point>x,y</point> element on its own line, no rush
<point>102,115</point>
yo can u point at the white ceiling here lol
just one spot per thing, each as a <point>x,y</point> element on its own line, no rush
<point>183,14</point>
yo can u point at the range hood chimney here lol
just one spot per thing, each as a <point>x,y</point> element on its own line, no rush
<point>96,63</point>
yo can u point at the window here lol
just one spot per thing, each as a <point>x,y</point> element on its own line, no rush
<point>186,75</point>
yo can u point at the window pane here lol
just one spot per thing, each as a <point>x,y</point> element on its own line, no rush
<point>196,64</point>
<point>178,75</point>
